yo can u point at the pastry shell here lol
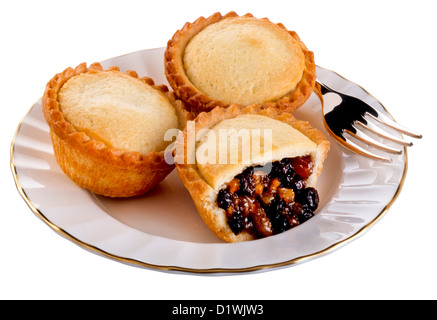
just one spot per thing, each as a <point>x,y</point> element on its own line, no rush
<point>89,162</point>
<point>198,101</point>
<point>204,195</point>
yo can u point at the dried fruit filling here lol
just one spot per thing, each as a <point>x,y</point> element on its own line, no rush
<point>267,203</point>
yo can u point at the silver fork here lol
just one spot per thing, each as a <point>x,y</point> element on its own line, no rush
<point>353,117</point>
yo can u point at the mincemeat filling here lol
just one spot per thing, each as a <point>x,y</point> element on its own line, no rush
<point>267,203</point>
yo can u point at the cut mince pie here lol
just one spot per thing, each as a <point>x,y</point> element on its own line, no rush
<point>107,128</point>
<point>271,191</point>
<point>221,60</point>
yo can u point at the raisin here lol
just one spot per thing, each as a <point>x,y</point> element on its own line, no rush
<point>277,205</point>
<point>236,222</point>
<point>280,224</point>
<point>247,185</point>
<point>306,215</point>
<point>309,198</point>
<point>299,183</point>
<point>297,208</point>
<point>293,181</point>
<point>224,199</point>
<point>278,220</point>
<point>290,214</point>
<point>281,168</point>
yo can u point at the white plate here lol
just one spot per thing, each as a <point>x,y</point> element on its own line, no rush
<point>162,230</point>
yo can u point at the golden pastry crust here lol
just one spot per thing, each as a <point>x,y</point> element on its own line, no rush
<point>198,101</point>
<point>204,195</point>
<point>91,163</point>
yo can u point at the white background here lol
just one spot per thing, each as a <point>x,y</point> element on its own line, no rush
<point>388,47</point>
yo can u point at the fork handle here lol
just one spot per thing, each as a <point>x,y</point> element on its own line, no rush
<point>324,88</point>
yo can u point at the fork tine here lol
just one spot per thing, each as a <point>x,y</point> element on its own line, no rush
<point>368,139</point>
<point>393,124</point>
<point>377,130</point>
<point>356,148</point>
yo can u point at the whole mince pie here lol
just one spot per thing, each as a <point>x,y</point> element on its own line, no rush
<point>255,170</point>
<point>231,59</point>
<point>107,128</point>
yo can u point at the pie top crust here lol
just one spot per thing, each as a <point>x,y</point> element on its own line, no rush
<point>258,60</point>
<point>118,109</point>
<point>261,140</point>
<point>221,60</point>
<point>89,120</point>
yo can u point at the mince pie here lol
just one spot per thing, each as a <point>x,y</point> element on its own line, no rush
<point>107,128</point>
<point>252,172</point>
<point>231,59</point>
